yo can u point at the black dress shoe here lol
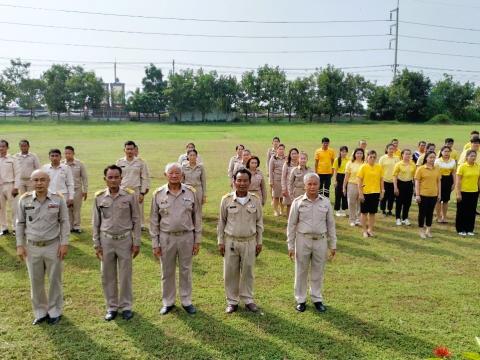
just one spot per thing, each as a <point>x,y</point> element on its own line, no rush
<point>110,315</point>
<point>166,309</point>
<point>54,320</point>
<point>320,307</point>
<point>127,314</point>
<point>231,309</point>
<point>40,320</point>
<point>251,307</point>
<point>4,232</point>
<point>301,307</point>
<point>190,309</point>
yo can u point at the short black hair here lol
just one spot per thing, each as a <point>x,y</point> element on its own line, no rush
<point>422,142</point>
<point>325,139</point>
<point>5,142</point>
<point>475,140</point>
<point>427,155</point>
<point>236,147</point>
<point>449,140</point>
<point>128,143</point>
<point>69,147</point>
<point>474,132</point>
<point>54,151</point>
<point>276,138</point>
<point>24,141</point>
<point>112,167</point>
<point>243,171</point>
<point>193,150</point>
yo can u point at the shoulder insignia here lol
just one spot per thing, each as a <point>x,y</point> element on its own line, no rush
<point>254,195</point>
<point>157,190</point>
<point>99,192</point>
<point>28,193</point>
<point>190,188</point>
<point>129,191</point>
<point>227,195</point>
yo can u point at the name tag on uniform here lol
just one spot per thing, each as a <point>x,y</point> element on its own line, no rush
<point>29,207</point>
<point>251,206</point>
<point>187,199</point>
<point>53,206</point>
<point>232,207</point>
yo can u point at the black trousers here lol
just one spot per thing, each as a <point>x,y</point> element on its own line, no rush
<point>388,198</point>
<point>325,182</point>
<point>425,210</point>
<point>340,198</point>
<point>404,199</point>
<point>466,211</point>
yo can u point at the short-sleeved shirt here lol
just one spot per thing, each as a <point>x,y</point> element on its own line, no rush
<point>428,179</point>
<point>446,167</point>
<point>454,155</point>
<point>470,175</point>
<point>397,153</point>
<point>371,176</point>
<point>352,168</point>
<point>388,164</point>
<point>325,160</point>
<point>404,172</point>
<point>340,169</point>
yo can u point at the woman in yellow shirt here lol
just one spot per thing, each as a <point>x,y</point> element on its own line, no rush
<point>427,193</point>
<point>447,167</point>
<point>338,167</point>
<point>403,174</point>
<point>387,162</point>
<point>350,185</point>
<point>370,191</point>
<point>468,175</point>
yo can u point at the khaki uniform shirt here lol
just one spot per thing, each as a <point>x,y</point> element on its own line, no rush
<point>238,166</point>
<point>258,184</point>
<point>37,221</point>
<point>175,213</point>
<point>7,169</point>
<point>311,217</point>
<point>286,170</point>
<point>275,169</point>
<point>231,165</point>
<point>61,180</point>
<point>26,165</point>
<point>116,215</point>
<point>135,174</point>
<point>79,173</point>
<point>182,159</point>
<point>270,153</point>
<point>195,176</point>
<point>295,179</point>
<point>239,220</point>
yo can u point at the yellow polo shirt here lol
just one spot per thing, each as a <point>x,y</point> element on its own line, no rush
<point>371,176</point>
<point>325,161</point>
<point>343,165</point>
<point>428,179</point>
<point>404,172</point>
<point>470,175</point>
<point>352,169</point>
<point>388,164</point>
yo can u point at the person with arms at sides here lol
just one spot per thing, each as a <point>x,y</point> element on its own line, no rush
<point>292,162</point>
<point>447,167</point>
<point>194,175</point>
<point>474,145</point>
<point>116,233</point>
<point>8,187</point>
<point>27,163</point>
<point>235,159</point>
<point>272,152</point>
<point>239,235</point>
<point>370,192</point>
<point>467,185</point>
<point>324,157</point>
<point>396,150</point>
<point>257,184</point>
<point>350,185</point>
<point>275,179</point>
<point>310,233</point>
<point>296,186</point>
<point>387,162</point>
<point>184,157</point>
<point>429,148</point>
<point>427,193</point>
<point>473,134</point>
<point>453,153</point>
<point>420,150</point>
<point>403,174</point>
<point>339,165</point>
<point>61,178</point>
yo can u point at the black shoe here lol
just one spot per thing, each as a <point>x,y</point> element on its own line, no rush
<point>231,309</point>
<point>301,307</point>
<point>319,306</point>
<point>389,213</point>
<point>127,314</point>
<point>190,309</point>
<point>251,307</point>
<point>5,232</point>
<point>40,320</point>
<point>166,309</point>
<point>77,231</point>
<point>54,320</point>
<point>110,315</point>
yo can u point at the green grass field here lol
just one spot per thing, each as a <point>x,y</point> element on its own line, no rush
<point>392,297</point>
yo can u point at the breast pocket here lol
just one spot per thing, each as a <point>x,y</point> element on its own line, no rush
<point>232,210</point>
<point>164,209</point>
<point>251,210</point>
<point>323,211</point>
<point>106,210</point>
<point>52,215</point>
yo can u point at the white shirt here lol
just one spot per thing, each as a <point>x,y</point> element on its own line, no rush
<point>61,180</point>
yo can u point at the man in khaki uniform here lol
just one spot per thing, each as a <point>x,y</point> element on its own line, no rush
<point>116,238</point>
<point>42,240</point>
<point>310,231</point>
<point>61,178</point>
<point>176,230</point>
<point>239,235</point>
<point>8,189</point>
<point>135,174</point>
<point>80,187</point>
<point>27,163</point>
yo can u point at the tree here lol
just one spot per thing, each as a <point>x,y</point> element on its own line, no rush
<point>248,99</point>
<point>330,91</point>
<point>142,102</point>
<point>379,106</point>
<point>356,90</point>
<point>271,88</point>
<point>204,91</point>
<point>31,94</point>
<point>85,89</point>
<point>7,93</point>
<point>228,92</point>
<point>154,86</point>
<point>14,74</point>
<point>57,95</point>
<point>180,92</point>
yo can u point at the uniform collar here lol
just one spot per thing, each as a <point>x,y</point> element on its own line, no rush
<point>34,195</point>
<point>182,189</point>
<point>235,196</point>
<point>305,197</point>
<point>120,192</point>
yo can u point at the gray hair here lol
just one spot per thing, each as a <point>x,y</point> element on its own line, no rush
<point>172,165</point>
<point>308,176</point>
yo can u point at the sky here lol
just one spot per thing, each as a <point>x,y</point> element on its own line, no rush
<point>350,34</point>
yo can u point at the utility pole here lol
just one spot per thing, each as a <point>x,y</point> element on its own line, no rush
<point>396,11</point>
<point>173,67</point>
<point>115,71</point>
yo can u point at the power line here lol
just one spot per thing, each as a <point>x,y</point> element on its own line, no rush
<point>192,35</point>
<point>445,3</point>
<point>440,69</point>
<point>439,26</point>
<point>440,40</point>
<point>194,50</point>
<point>191,19</point>
<point>439,53</point>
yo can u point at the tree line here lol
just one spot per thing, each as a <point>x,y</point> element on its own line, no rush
<point>328,93</point>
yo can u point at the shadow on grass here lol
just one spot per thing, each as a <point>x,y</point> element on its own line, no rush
<point>152,340</point>
<point>73,343</point>
<point>378,335</point>
<point>229,341</point>
<point>9,261</point>
<point>315,342</point>
<point>79,258</point>
<point>359,252</point>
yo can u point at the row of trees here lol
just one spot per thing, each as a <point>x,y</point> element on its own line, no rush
<point>327,93</point>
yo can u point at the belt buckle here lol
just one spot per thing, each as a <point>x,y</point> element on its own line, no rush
<point>41,243</point>
<point>315,237</point>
